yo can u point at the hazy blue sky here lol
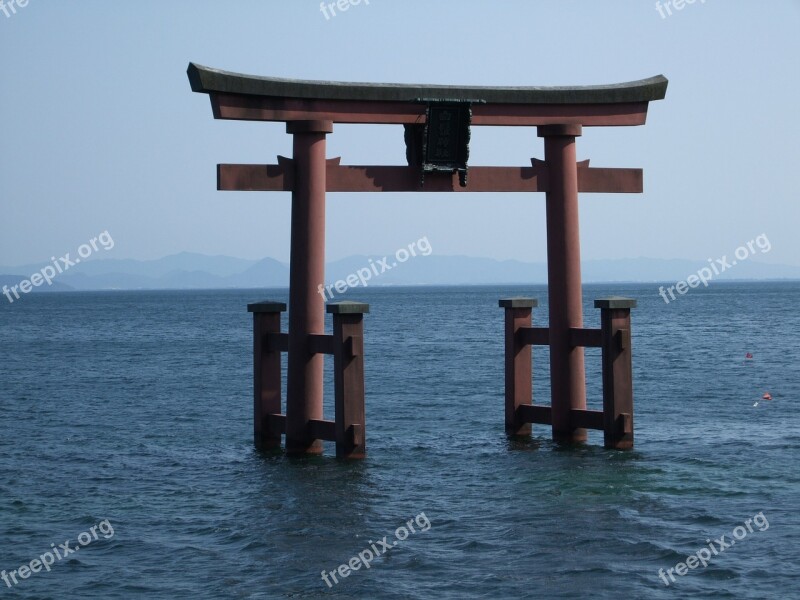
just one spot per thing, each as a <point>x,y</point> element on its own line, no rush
<point>100,130</point>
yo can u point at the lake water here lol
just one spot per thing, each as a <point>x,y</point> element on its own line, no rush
<point>131,412</point>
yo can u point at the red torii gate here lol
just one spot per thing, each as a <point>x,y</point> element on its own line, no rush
<point>437,122</point>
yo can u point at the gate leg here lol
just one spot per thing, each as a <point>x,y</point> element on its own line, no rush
<point>348,367</point>
<point>567,370</point>
<point>266,372</point>
<point>615,319</point>
<point>518,369</point>
<point>306,273</point>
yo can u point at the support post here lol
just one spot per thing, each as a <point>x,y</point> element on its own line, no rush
<point>567,370</point>
<point>306,273</point>
<point>348,367</point>
<point>266,372</point>
<point>518,367</point>
<point>615,319</point>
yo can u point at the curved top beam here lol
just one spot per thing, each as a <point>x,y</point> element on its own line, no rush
<point>208,80</point>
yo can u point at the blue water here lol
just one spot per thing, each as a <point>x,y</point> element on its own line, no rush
<point>136,407</point>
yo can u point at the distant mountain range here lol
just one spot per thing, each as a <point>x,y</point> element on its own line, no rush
<point>198,271</point>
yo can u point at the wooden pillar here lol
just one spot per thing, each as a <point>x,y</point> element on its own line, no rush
<point>306,274</point>
<point>615,325</point>
<point>266,372</point>
<point>518,366</point>
<point>567,371</point>
<point>348,367</point>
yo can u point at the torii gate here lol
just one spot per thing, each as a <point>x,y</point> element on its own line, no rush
<point>437,121</point>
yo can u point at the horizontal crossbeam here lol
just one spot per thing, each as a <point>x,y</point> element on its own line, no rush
<point>578,337</point>
<point>587,338</point>
<point>209,81</point>
<point>259,108</point>
<point>322,430</point>
<point>252,98</point>
<point>534,336</point>
<point>531,413</point>
<point>276,342</point>
<point>586,419</point>
<point>582,419</point>
<point>280,178</point>
<point>321,344</point>
<point>318,428</point>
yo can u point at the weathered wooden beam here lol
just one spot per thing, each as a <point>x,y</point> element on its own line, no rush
<point>322,430</point>
<point>610,181</point>
<point>257,108</point>
<point>532,413</point>
<point>321,344</point>
<point>585,338</point>
<point>208,80</point>
<point>534,336</point>
<point>280,178</point>
<point>587,419</point>
<point>276,342</point>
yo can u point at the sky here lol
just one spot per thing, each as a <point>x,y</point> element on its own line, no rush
<point>100,131</point>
